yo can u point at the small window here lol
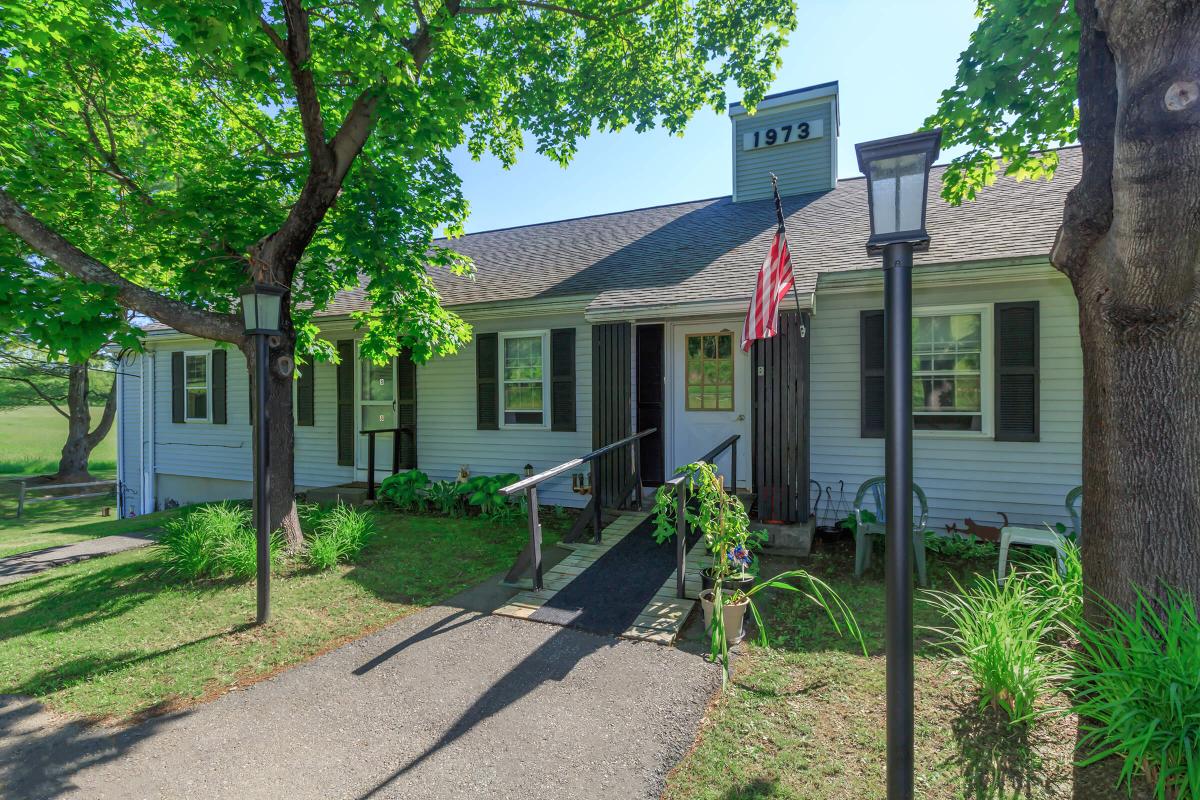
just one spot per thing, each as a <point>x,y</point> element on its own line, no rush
<point>195,387</point>
<point>710,372</point>
<point>524,396</point>
<point>948,367</point>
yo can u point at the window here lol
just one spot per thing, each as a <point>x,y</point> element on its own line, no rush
<point>195,387</point>
<point>949,366</point>
<point>710,372</point>
<point>523,358</point>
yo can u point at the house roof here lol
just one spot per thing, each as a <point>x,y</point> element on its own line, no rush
<point>710,250</point>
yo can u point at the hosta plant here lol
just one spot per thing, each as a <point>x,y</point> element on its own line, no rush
<point>445,497</point>
<point>405,490</point>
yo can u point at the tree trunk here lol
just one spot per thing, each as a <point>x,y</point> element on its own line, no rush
<point>281,495</point>
<point>77,452</point>
<point>1131,245</point>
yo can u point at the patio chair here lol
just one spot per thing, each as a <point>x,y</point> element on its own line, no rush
<point>1042,537</point>
<point>872,497</point>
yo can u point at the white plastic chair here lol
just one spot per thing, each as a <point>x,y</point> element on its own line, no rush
<point>1042,537</point>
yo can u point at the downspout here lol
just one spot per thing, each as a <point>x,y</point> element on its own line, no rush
<point>119,388</point>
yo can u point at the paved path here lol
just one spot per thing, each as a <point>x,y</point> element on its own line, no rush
<point>22,565</point>
<point>447,703</point>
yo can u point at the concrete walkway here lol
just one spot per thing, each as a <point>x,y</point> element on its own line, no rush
<point>447,703</point>
<point>22,565</point>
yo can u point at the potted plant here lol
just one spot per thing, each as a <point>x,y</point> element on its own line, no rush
<point>725,525</point>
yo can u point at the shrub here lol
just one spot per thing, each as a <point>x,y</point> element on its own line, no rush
<point>998,634</point>
<point>195,542</point>
<point>1137,692</point>
<point>237,555</point>
<point>405,490</point>
<point>444,496</point>
<point>484,490</point>
<point>957,546</point>
<point>508,512</point>
<point>340,536</point>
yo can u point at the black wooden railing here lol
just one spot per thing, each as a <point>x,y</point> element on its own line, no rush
<point>371,434</point>
<point>681,527</point>
<point>533,552</point>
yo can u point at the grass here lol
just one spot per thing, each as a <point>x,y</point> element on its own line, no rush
<point>118,637</point>
<point>34,436</point>
<point>65,522</point>
<point>806,718</point>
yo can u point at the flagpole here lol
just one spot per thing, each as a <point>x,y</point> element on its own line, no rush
<point>783,232</point>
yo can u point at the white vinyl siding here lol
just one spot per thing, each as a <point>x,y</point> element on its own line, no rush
<point>963,476</point>
<point>447,437</point>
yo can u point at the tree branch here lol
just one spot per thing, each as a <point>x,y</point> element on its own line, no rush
<point>179,315</point>
<point>45,397</point>
<point>106,418</point>
<point>299,56</point>
<point>573,12</point>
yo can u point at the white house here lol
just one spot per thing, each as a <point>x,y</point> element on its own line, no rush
<point>589,329</point>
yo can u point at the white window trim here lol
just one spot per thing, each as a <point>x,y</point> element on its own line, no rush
<point>207,355</point>
<point>545,337</point>
<point>986,370</point>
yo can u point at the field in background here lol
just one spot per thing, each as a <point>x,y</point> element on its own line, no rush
<point>33,437</point>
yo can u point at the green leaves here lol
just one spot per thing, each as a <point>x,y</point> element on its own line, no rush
<point>1013,96</point>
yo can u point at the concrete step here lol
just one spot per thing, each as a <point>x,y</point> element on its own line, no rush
<point>349,494</point>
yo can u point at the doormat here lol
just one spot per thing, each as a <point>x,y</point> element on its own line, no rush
<point>610,594</point>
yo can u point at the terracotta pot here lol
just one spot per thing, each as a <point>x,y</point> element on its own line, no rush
<point>735,617</point>
<point>730,584</point>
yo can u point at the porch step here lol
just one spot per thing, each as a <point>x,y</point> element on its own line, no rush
<point>349,493</point>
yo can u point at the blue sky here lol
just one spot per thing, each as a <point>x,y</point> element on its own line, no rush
<point>892,60</point>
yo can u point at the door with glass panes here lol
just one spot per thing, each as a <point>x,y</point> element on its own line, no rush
<point>376,411</point>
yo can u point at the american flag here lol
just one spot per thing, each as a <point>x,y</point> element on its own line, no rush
<point>774,282</point>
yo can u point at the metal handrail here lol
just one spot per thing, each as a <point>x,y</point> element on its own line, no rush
<point>681,528</point>
<point>529,487</point>
<point>370,434</point>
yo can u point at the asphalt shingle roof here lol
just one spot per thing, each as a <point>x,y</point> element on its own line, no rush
<point>712,249</point>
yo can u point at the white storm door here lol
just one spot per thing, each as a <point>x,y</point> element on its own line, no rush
<point>710,395</point>
<point>376,411</point>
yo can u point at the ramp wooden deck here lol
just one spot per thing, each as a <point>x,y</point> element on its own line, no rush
<point>662,618</point>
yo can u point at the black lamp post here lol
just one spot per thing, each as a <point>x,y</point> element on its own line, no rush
<point>261,311</point>
<point>897,171</point>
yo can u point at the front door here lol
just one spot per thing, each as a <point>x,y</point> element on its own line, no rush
<point>376,411</point>
<point>710,396</point>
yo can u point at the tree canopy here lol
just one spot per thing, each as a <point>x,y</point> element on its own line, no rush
<point>1014,97</point>
<point>184,146</point>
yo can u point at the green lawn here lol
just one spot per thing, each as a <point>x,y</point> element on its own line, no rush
<point>806,719</point>
<point>116,637</point>
<point>64,522</point>
<point>33,438</point>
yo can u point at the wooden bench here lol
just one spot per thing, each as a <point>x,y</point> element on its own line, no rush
<point>89,489</point>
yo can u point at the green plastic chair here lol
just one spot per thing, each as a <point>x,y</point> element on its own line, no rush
<point>1042,537</point>
<point>872,497</point>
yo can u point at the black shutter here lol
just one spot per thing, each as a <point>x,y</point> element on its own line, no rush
<point>177,387</point>
<point>406,410</point>
<point>1017,376</point>
<point>220,414</point>
<point>345,403</point>
<point>305,401</point>
<point>487,390</point>
<point>871,363</point>
<point>562,379</point>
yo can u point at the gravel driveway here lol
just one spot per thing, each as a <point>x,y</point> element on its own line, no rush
<point>447,703</point>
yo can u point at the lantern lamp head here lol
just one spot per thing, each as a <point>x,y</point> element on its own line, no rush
<point>897,171</point>
<point>261,308</point>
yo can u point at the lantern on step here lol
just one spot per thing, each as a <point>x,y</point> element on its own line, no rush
<point>897,171</point>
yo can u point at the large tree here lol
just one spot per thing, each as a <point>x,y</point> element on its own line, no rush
<point>1123,78</point>
<point>166,152</point>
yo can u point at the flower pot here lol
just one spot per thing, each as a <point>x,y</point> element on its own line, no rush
<point>735,617</point>
<point>729,584</point>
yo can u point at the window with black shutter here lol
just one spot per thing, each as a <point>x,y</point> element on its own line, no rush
<point>871,363</point>
<point>406,409</point>
<point>220,411</point>
<point>345,403</point>
<point>487,398</point>
<point>562,379</point>
<point>1017,371</point>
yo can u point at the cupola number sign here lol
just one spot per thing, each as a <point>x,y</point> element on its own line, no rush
<point>783,133</point>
